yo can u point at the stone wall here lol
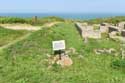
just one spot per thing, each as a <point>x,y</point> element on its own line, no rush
<point>78,28</point>
<point>87,31</point>
<point>104,29</point>
<point>123,33</point>
<point>113,28</point>
<point>121,25</point>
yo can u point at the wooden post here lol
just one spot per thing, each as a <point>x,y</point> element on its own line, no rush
<point>34,19</point>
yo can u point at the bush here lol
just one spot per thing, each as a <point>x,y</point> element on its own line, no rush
<point>39,21</point>
<point>114,20</point>
<point>12,20</point>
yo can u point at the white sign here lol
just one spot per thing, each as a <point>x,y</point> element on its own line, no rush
<point>58,45</point>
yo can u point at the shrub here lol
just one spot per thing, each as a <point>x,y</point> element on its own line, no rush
<point>12,20</point>
<point>39,21</point>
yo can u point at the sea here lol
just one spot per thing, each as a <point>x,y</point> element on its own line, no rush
<point>80,16</point>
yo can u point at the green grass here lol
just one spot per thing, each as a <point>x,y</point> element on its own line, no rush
<point>119,64</point>
<point>100,44</point>
<point>25,61</point>
<point>7,35</point>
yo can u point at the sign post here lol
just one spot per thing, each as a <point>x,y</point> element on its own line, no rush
<point>58,46</point>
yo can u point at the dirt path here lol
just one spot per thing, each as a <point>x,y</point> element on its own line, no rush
<point>27,27</point>
<point>50,24</point>
<point>21,27</point>
<point>15,41</point>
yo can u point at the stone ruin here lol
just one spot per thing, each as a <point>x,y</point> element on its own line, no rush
<point>113,29</point>
<point>120,28</point>
<point>103,29</point>
<point>87,31</point>
<point>121,25</point>
<point>105,51</point>
<point>123,33</point>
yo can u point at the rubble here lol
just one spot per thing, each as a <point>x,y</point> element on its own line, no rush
<point>71,51</point>
<point>105,51</point>
<point>64,61</point>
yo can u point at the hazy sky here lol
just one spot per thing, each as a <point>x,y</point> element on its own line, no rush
<point>66,6</point>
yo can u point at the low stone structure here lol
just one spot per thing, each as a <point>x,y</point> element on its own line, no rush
<point>87,31</point>
<point>78,28</point>
<point>92,34</point>
<point>121,25</point>
<point>123,33</point>
<point>113,34</point>
<point>105,51</point>
<point>113,28</point>
<point>104,29</point>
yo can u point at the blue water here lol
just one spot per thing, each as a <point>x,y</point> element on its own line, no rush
<point>64,15</point>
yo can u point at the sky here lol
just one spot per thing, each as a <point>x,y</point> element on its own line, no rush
<point>62,6</point>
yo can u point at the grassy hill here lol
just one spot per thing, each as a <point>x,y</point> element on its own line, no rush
<point>7,35</point>
<point>25,61</point>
